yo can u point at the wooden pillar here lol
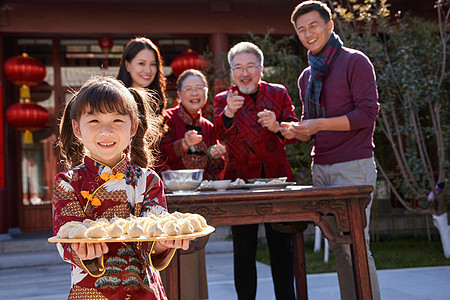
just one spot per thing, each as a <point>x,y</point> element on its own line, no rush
<point>3,204</point>
<point>218,43</point>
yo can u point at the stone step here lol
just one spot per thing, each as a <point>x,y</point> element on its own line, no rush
<point>27,242</point>
<point>28,259</point>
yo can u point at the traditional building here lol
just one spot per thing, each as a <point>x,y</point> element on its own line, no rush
<point>65,35</point>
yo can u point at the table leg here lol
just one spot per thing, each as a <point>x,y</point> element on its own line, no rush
<point>300,268</point>
<point>359,251</point>
<point>172,287</point>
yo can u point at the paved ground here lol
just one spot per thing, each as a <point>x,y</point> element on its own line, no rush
<point>52,281</point>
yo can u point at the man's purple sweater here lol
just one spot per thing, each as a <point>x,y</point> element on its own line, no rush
<point>349,89</point>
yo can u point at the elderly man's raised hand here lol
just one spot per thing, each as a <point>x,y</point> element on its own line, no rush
<point>234,103</point>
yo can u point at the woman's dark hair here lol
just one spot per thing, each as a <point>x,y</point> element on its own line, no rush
<point>107,94</point>
<point>132,48</point>
<point>190,72</point>
<point>307,6</point>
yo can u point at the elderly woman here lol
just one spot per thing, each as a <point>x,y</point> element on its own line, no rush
<point>190,143</point>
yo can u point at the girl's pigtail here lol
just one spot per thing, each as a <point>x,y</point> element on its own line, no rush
<point>147,135</point>
<point>72,150</point>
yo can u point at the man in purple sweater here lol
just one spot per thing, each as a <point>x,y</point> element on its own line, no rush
<point>339,96</point>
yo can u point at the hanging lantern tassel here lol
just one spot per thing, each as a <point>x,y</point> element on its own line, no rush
<point>25,92</point>
<point>27,137</point>
<point>106,43</point>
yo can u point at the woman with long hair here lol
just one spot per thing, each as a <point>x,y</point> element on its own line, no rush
<point>142,66</point>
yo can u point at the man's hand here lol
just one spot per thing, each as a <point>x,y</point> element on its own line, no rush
<point>234,103</point>
<point>286,130</point>
<point>268,119</point>
<point>291,130</point>
<point>89,251</point>
<point>307,127</point>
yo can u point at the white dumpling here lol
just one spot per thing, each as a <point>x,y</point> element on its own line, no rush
<point>164,214</point>
<point>123,223</point>
<point>87,222</point>
<point>78,232</point>
<point>202,220</point>
<point>154,230</point>
<point>185,227</point>
<point>195,223</point>
<point>99,222</point>
<point>164,220</point>
<point>152,216</point>
<point>142,221</point>
<point>179,215</point>
<point>135,230</point>
<point>64,231</point>
<point>171,228</point>
<point>96,232</point>
<point>115,230</point>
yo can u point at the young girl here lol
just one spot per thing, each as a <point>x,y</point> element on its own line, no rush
<point>99,123</point>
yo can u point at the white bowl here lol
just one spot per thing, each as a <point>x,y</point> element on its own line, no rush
<point>179,181</point>
<point>221,185</point>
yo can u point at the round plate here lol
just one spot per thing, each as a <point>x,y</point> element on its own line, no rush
<point>164,237</point>
<point>268,185</point>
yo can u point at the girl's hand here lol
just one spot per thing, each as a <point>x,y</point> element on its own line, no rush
<point>88,251</point>
<point>217,151</point>
<point>179,244</point>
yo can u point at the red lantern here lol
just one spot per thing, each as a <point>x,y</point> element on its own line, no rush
<point>106,43</point>
<point>188,60</point>
<point>27,116</point>
<point>24,71</point>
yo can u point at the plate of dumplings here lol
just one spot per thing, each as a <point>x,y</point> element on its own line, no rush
<point>166,226</point>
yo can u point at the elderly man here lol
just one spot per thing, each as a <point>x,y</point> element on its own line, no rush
<point>247,120</point>
<point>340,105</point>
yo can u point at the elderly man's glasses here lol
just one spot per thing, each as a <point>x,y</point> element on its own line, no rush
<point>249,69</point>
<point>189,89</point>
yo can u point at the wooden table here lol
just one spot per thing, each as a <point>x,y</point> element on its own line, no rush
<point>292,204</point>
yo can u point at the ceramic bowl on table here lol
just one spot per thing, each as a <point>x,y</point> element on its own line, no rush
<point>180,181</point>
<point>221,185</point>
